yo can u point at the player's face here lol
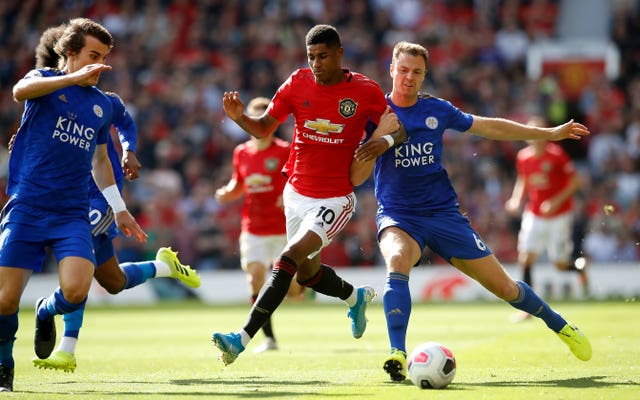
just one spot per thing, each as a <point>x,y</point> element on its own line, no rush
<point>93,52</point>
<point>326,63</point>
<point>408,73</point>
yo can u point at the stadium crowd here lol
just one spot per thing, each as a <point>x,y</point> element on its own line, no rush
<point>173,59</point>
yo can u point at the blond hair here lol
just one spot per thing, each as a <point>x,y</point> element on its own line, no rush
<point>413,49</point>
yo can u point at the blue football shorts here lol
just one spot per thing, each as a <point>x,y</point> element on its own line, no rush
<point>447,233</point>
<point>23,245</point>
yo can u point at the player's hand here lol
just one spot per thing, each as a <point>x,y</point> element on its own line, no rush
<point>569,130</point>
<point>222,195</point>
<point>376,145</point>
<point>548,207</point>
<point>130,165</point>
<point>232,105</point>
<point>388,124</point>
<point>128,225</point>
<point>512,207</point>
<point>89,74</point>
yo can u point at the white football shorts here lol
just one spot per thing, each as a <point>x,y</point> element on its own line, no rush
<point>326,217</point>
<point>553,234</point>
<point>260,248</point>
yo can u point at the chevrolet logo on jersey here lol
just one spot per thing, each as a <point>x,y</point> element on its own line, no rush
<point>323,126</point>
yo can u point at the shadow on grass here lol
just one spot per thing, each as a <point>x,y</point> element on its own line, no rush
<point>252,387</point>
<point>582,382</point>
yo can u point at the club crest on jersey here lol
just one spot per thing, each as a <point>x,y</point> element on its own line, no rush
<point>271,164</point>
<point>431,122</point>
<point>348,107</point>
<point>97,110</point>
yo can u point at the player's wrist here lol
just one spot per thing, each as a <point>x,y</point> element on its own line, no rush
<point>114,199</point>
<point>389,140</point>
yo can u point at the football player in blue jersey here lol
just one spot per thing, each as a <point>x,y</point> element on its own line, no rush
<point>111,275</point>
<point>418,207</point>
<point>60,143</point>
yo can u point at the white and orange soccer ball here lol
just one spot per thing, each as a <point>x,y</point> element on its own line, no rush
<point>431,366</point>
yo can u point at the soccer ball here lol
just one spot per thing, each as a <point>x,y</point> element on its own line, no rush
<point>431,366</point>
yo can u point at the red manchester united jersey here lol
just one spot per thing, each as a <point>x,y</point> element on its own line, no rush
<point>545,175</point>
<point>329,124</point>
<point>260,173</point>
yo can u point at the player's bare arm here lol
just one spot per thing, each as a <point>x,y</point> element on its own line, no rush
<point>551,205</point>
<point>258,127</point>
<point>504,129</point>
<point>366,154</point>
<point>513,205</point>
<point>34,87</point>
<point>377,144</point>
<point>103,175</point>
<point>229,192</point>
<point>130,165</point>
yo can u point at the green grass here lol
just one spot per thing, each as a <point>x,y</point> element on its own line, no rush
<point>164,352</point>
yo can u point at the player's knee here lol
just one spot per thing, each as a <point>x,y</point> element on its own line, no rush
<point>8,305</point>
<point>75,295</point>
<point>399,263</point>
<point>509,291</point>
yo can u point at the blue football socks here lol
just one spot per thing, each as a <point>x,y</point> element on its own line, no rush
<point>531,303</point>
<point>137,273</point>
<point>8,329</point>
<point>397,308</point>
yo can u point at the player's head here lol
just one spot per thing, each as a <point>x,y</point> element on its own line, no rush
<point>408,67</point>
<point>83,42</point>
<point>323,34</point>
<point>257,106</point>
<point>324,54</point>
<point>46,55</point>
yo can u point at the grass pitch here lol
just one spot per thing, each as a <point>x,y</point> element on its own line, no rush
<point>164,352</point>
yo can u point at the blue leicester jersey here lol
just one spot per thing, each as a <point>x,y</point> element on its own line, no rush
<point>50,163</point>
<point>410,178</point>
<point>128,136</point>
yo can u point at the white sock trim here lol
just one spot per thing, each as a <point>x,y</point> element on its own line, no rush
<point>162,269</point>
<point>244,338</point>
<point>68,344</point>
<point>353,298</point>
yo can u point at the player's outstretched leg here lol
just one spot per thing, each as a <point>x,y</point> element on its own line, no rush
<point>60,360</point>
<point>45,337</point>
<point>229,344</point>
<point>365,294</point>
<point>178,271</point>
<point>530,302</point>
<point>396,365</point>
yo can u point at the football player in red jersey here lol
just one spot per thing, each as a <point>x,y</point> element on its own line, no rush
<point>257,175</point>
<point>331,106</point>
<point>547,180</point>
